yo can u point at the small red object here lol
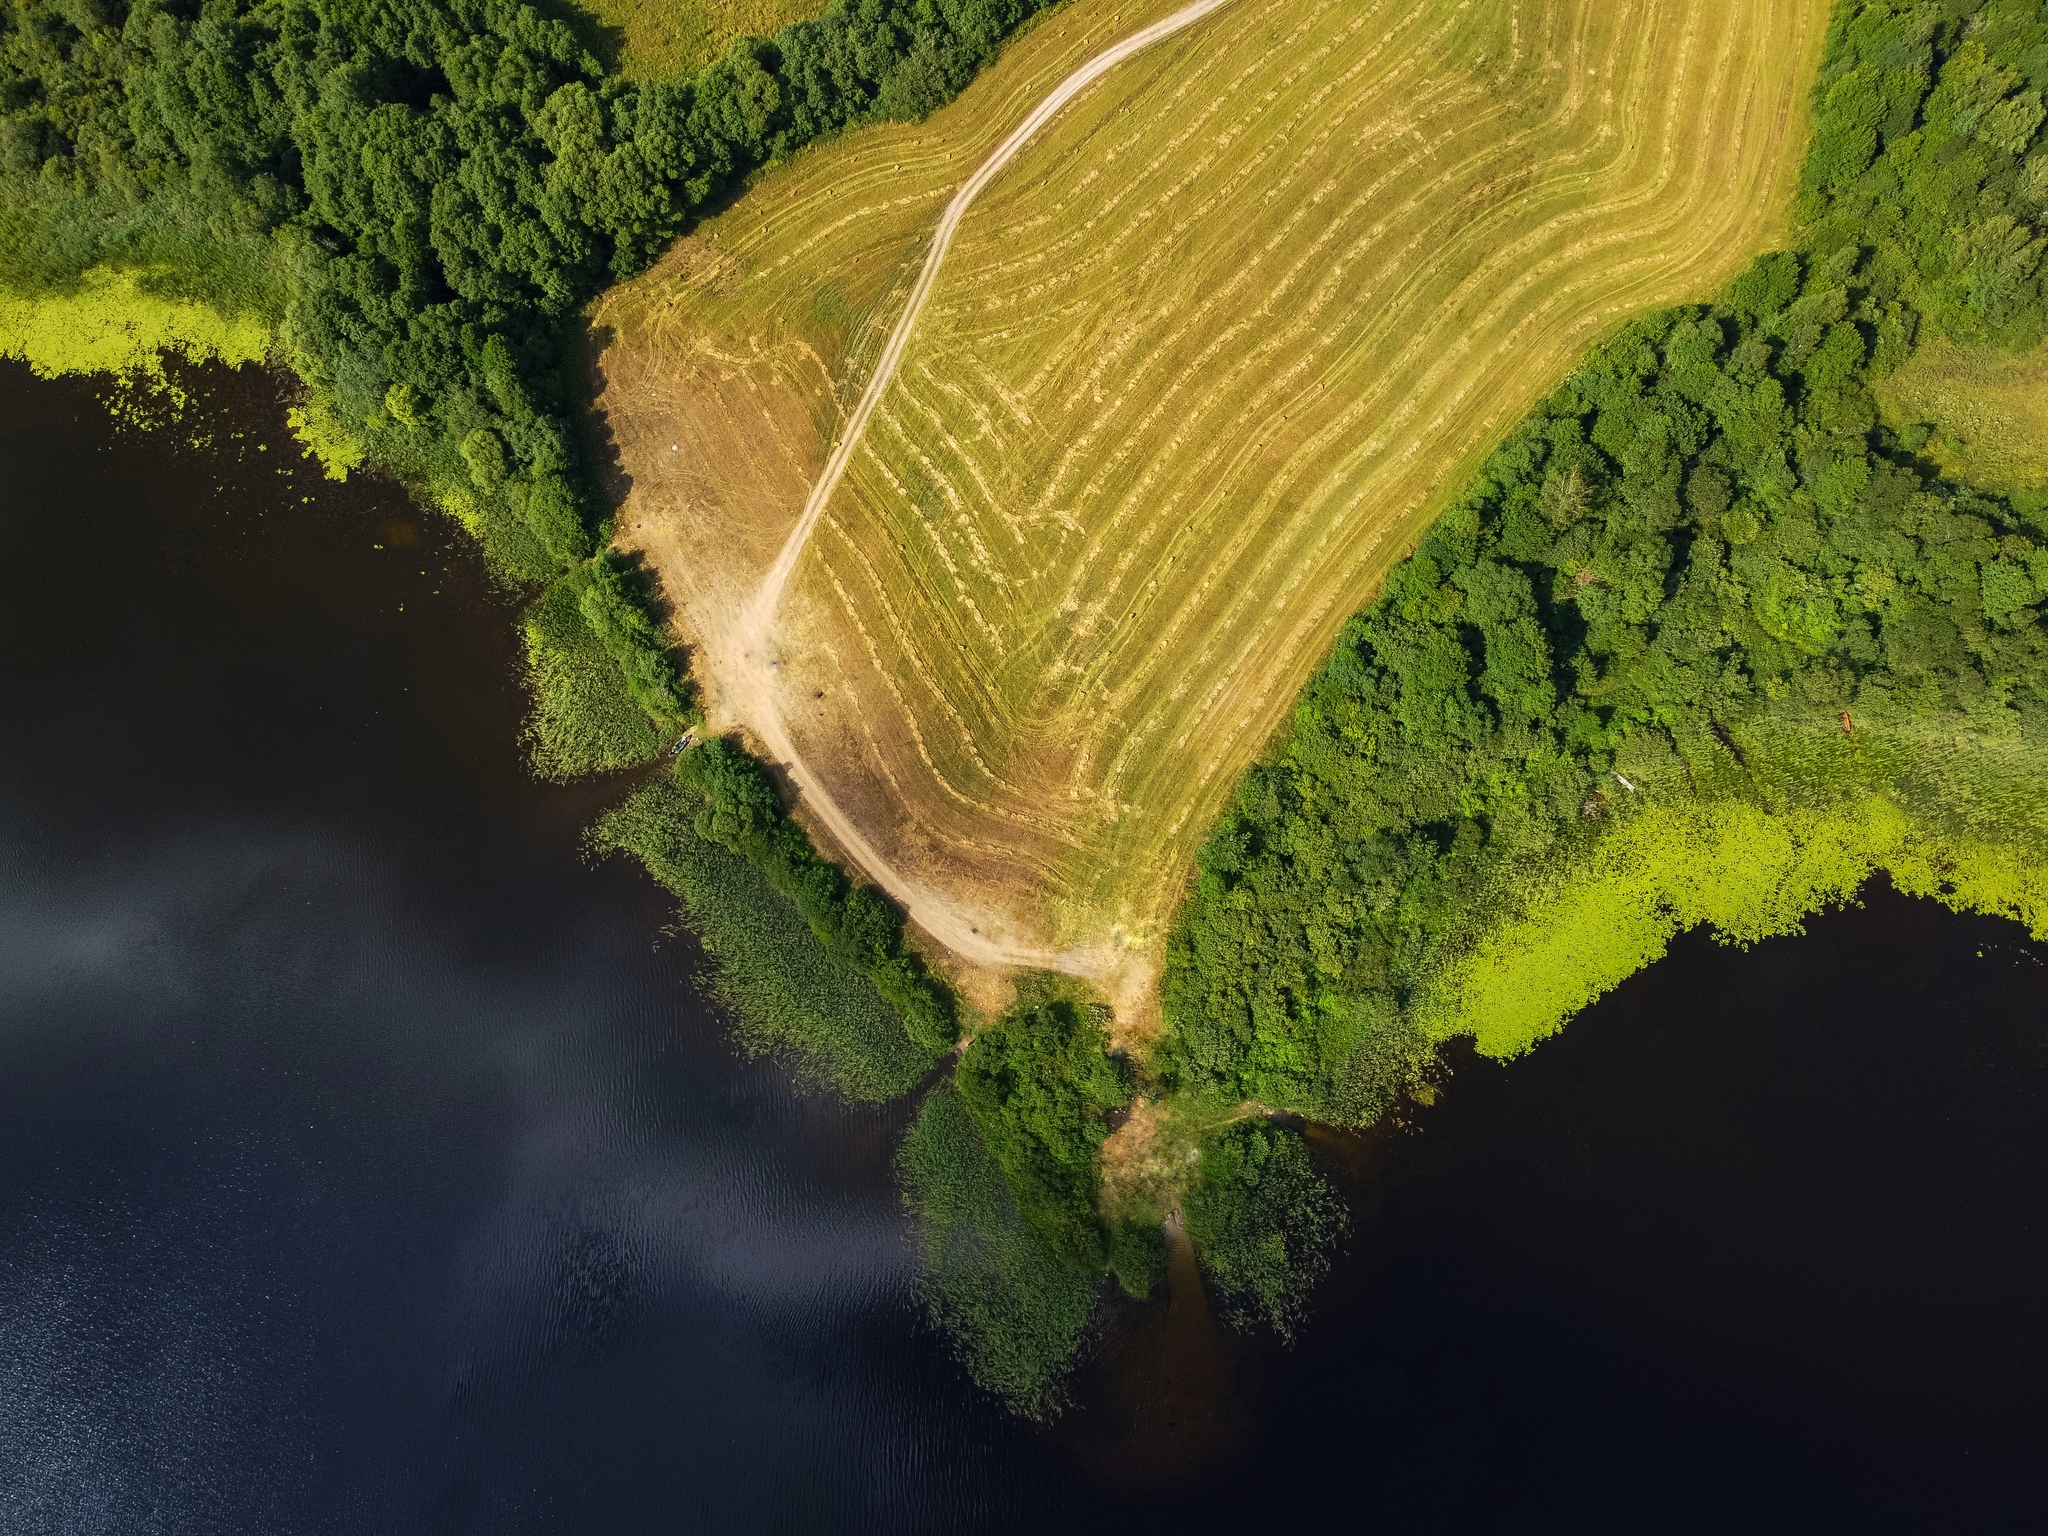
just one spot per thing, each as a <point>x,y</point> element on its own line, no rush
<point>1846,725</point>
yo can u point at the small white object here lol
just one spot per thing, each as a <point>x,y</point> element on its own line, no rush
<point>1625,783</point>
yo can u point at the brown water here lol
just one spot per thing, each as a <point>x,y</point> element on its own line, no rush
<point>370,1161</point>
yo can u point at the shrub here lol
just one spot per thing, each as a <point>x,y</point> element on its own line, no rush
<point>1264,1223</point>
<point>1010,1302</point>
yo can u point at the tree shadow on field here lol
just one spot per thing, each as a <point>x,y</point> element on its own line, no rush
<point>659,609</point>
<point>600,442</point>
<point>608,466</point>
<point>605,41</point>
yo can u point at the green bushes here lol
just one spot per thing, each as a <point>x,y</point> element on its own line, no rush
<point>614,608</point>
<point>1011,1303</point>
<point>1040,1085</point>
<point>1264,1223</point>
<point>1004,1170</point>
<point>791,995</point>
<point>583,721</point>
<point>743,813</point>
<point>1925,115</point>
<point>1137,1256</point>
<point>1701,548</point>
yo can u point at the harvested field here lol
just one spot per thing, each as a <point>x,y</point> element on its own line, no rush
<point>1200,364</point>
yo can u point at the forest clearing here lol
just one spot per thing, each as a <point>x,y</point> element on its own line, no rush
<point>1983,412</point>
<point>673,39</point>
<point>1201,364</point>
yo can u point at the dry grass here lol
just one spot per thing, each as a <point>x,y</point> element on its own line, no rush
<point>673,39</point>
<point>1989,411</point>
<point>1201,364</point>
<point>1149,1161</point>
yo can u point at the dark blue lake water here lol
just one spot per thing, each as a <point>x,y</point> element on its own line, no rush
<point>371,1162</point>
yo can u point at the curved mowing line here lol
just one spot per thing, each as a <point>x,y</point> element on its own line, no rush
<point>770,593</point>
<point>758,621</point>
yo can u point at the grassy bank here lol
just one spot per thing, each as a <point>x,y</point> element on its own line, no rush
<point>790,994</point>
<point>676,39</point>
<point>1979,413</point>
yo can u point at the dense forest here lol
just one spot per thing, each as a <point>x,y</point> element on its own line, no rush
<point>1704,543</point>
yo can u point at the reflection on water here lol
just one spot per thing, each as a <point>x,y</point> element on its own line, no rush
<point>1158,1409</point>
<point>369,1161</point>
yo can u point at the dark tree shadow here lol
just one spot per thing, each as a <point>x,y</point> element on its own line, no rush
<point>605,42</point>
<point>600,443</point>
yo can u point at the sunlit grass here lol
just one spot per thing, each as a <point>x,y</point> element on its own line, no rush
<point>673,39</point>
<point>1985,412</point>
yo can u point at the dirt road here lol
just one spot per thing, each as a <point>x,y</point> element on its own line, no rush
<point>1120,973</point>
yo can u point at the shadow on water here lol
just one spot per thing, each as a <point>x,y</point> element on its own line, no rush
<point>370,1161</point>
<point>1156,1408</point>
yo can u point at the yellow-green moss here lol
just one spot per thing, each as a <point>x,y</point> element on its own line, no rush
<point>113,324</point>
<point>326,437</point>
<point>1748,871</point>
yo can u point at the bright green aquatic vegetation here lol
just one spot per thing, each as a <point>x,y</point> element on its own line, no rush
<point>1747,872</point>
<point>112,322</point>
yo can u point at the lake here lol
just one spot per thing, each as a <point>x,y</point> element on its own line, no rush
<point>371,1160</point>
